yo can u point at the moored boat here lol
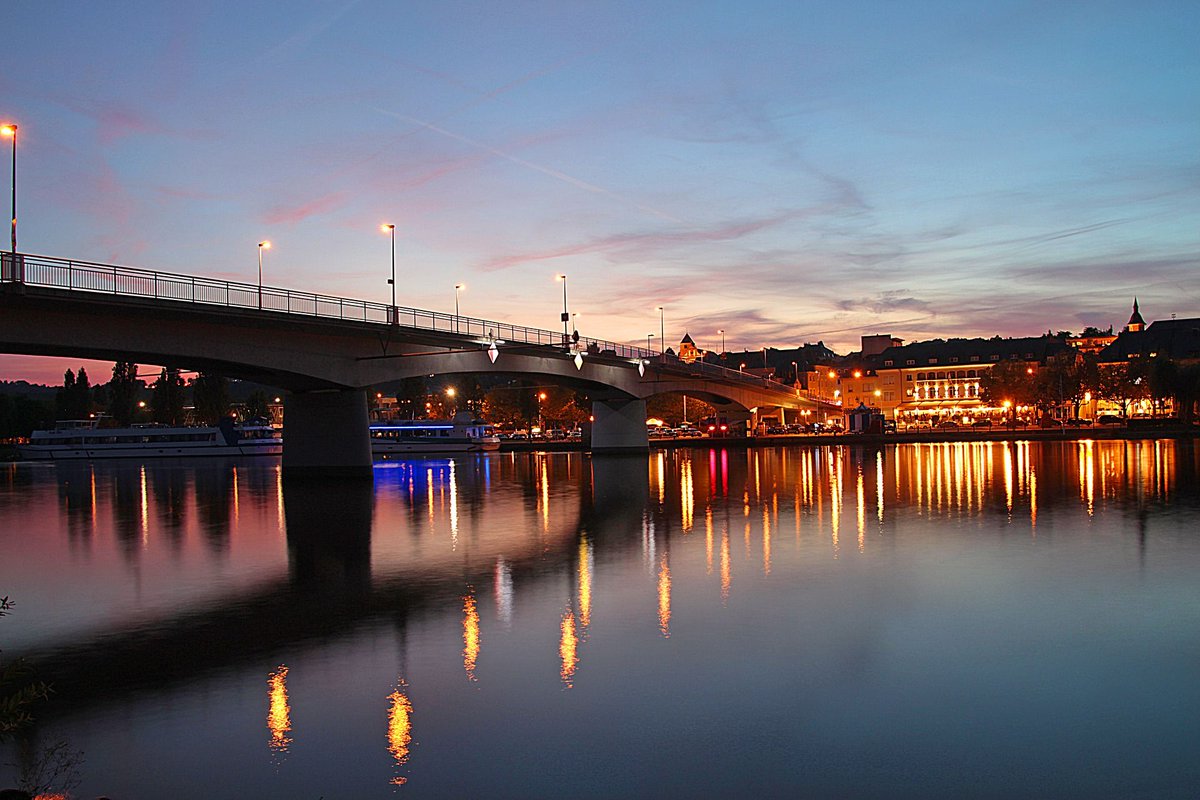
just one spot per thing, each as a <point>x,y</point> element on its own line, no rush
<point>85,439</point>
<point>463,434</point>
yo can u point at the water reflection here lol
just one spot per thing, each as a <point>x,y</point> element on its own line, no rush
<point>399,729</point>
<point>279,712</point>
<point>239,569</point>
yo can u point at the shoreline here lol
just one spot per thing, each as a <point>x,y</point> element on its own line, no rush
<point>8,453</point>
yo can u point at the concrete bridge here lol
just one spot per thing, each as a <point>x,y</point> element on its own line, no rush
<point>328,351</point>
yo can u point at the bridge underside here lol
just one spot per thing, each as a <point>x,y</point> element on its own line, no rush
<point>327,365</point>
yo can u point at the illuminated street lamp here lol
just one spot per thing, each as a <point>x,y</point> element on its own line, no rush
<point>391,229</point>
<point>10,130</point>
<point>722,332</point>
<point>458,287</point>
<point>662,331</point>
<point>795,373</point>
<point>451,392</point>
<point>263,245</point>
<point>649,336</point>
<point>566,318</point>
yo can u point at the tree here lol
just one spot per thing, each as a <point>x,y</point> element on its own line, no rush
<point>20,415</point>
<point>123,391</point>
<point>74,399</point>
<point>167,400</point>
<point>257,405</point>
<point>210,396</point>
<point>1121,383</point>
<point>1008,381</point>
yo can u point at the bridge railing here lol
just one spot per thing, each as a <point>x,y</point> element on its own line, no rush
<point>92,277</point>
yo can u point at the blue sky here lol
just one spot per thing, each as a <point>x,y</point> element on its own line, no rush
<point>789,172</point>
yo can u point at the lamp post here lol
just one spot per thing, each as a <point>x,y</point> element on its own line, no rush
<point>649,336</point>
<point>391,229</point>
<point>722,332</point>
<point>458,287</point>
<point>795,374</point>
<point>263,245</point>
<point>10,130</point>
<point>662,331</point>
<point>566,318</point>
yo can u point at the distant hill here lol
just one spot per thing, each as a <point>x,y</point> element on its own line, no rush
<point>26,389</point>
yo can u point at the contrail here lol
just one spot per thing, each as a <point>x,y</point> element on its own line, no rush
<point>553,173</point>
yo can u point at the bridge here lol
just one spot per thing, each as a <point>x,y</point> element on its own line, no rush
<point>328,351</point>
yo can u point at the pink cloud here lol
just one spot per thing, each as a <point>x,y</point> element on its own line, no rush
<point>291,214</point>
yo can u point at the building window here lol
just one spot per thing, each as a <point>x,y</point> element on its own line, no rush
<point>889,397</point>
<point>888,363</point>
<point>995,357</point>
<point>974,358</point>
<point>911,362</point>
<point>933,361</point>
<point>908,377</point>
<point>953,359</point>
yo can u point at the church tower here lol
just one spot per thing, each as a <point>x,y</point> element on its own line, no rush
<point>1136,323</point>
<point>687,350</point>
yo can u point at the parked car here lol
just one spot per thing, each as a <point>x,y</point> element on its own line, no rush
<point>947,424</point>
<point>1109,419</point>
<point>981,423</point>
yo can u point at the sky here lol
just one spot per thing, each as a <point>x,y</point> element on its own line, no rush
<point>789,172</point>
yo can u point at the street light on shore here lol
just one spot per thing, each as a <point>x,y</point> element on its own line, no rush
<point>263,245</point>
<point>662,331</point>
<point>389,228</point>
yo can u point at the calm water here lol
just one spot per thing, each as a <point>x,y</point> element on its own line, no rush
<point>942,620</point>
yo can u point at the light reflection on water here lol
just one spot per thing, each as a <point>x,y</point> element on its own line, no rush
<point>971,618</point>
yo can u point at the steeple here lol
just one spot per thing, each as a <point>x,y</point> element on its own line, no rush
<point>1136,323</point>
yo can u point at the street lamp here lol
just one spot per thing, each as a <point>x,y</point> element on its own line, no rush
<point>263,245</point>
<point>450,394</point>
<point>795,373</point>
<point>458,287</point>
<point>663,331</point>
<point>722,332</point>
<point>742,366</point>
<point>391,229</point>
<point>10,130</point>
<point>566,318</point>
<point>649,336</point>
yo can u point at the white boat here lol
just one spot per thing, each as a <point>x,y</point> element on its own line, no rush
<point>463,434</point>
<point>84,439</point>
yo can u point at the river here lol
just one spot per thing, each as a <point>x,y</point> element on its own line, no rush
<point>983,619</point>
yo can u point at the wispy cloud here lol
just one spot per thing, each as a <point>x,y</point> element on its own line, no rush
<point>311,208</point>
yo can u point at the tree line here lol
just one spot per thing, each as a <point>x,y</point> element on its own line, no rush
<point>1066,380</point>
<point>126,399</point>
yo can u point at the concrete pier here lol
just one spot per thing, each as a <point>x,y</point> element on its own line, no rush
<point>327,435</point>
<point>619,426</point>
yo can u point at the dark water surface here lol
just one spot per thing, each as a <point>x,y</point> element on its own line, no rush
<point>934,620</point>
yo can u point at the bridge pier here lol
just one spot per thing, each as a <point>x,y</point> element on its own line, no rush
<point>326,434</point>
<point>619,426</point>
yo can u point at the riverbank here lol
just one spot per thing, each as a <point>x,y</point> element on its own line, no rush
<point>902,437</point>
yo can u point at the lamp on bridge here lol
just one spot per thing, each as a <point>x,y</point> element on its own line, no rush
<point>722,332</point>
<point>566,318</point>
<point>662,331</point>
<point>263,245</point>
<point>391,229</point>
<point>458,287</point>
<point>10,130</point>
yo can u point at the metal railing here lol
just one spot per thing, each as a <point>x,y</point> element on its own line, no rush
<point>111,279</point>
